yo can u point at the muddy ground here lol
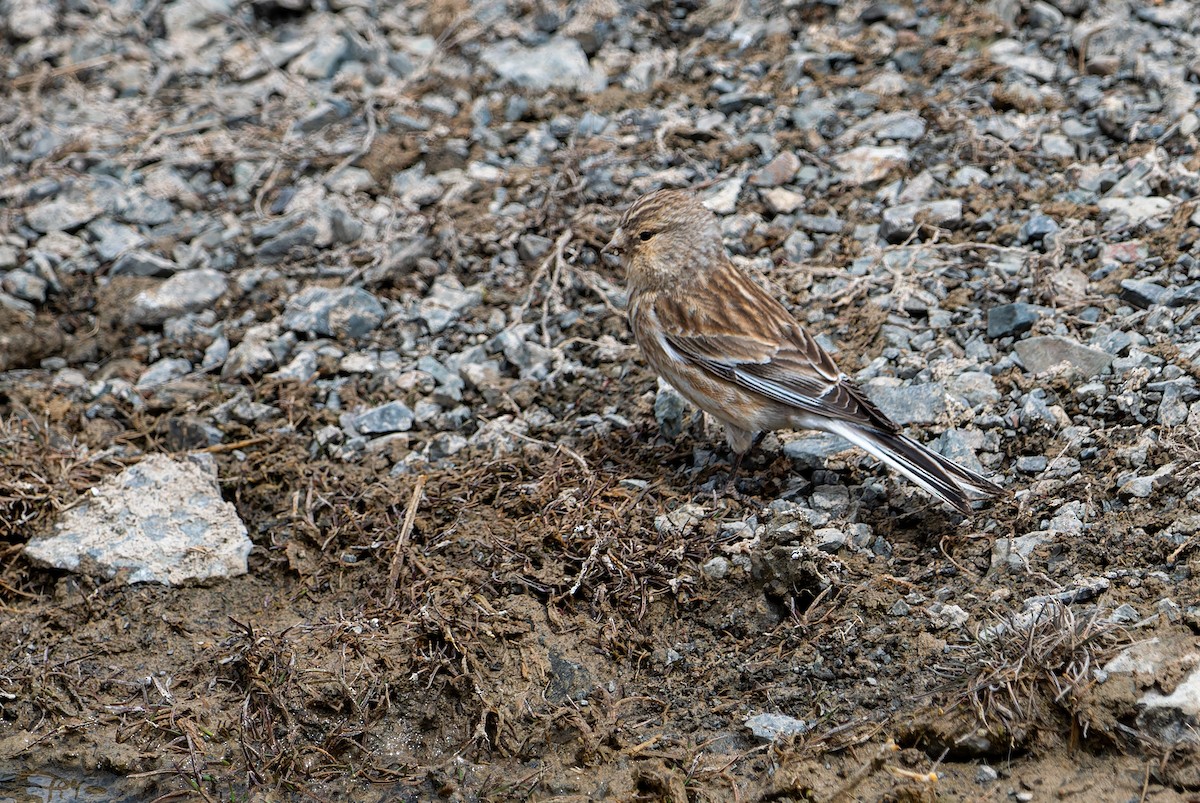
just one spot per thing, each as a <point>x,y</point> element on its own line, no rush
<point>539,617</point>
<point>452,664</point>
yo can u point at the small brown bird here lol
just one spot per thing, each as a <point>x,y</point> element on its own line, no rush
<point>736,353</point>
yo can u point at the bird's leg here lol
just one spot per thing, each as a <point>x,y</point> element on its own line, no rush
<point>741,442</point>
<point>737,465</point>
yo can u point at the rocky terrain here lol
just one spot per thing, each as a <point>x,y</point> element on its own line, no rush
<point>321,279</point>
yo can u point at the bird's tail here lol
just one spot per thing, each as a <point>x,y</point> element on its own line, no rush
<point>939,475</point>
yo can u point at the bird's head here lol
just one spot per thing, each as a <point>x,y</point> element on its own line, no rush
<point>666,237</point>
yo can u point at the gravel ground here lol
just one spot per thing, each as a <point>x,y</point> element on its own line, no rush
<point>348,253</point>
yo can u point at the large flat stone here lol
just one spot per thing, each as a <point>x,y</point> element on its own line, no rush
<point>162,519</point>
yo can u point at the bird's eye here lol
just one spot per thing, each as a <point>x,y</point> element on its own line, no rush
<point>645,235</point>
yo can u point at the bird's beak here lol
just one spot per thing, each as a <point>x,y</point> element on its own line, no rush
<point>616,246</point>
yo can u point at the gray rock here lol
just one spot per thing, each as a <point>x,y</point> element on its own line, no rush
<point>446,302</point>
<point>1012,319</point>
<point>446,444</point>
<point>1144,487</point>
<point>402,257</point>
<point>961,446</point>
<point>811,451</point>
<point>186,291</point>
<point>350,180</point>
<point>63,214</point>
<point>670,410</point>
<point>322,59</point>
<point>777,172</point>
<point>163,371</point>
<point>1058,145</point>
<point>559,63</point>
<point>1014,553</point>
<point>973,388</point>
<point>906,126</point>
<point>253,355</point>
<point>345,227</point>
<point>769,727</point>
<point>333,312</point>
<point>680,521</point>
<point>181,16</point>
<point>1143,294</point>
<point>1032,464</point>
<point>302,368</point>
<point>25,286</point>
<point>821,224</point>
<point>143,263</point>
<point>391,417</point>
<point>567,680</point>
<point>1184,296</point>
<point>1115,343</point>
<point>113,239</point>
<point>798,246</point>
<point>449,391</point>
<point>287,244</point>
<point>899,222</point>
<point>911,404</point>
<point>1177,15</point>
<point>163,520</point>
<point>830,539</point>
<point>532,360</point>
<point>1124,614</point>
<point>1035,412</point>
<point>1040,354</point>
<point>1008,53</point>
<point>325,113</point>
<point>716,568</point>
<point>942,615</point>
<point>17,305</point>
<point>138,207</point>
<point>833,499</point>
<point>216,353</point>
<point>532,247</point>
<point>1172,410</point>
<point>1037,228</point>
<point>733,102</point>
<point>966,176</point>
<point>985,774</point>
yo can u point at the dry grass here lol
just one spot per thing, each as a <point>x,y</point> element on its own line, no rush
<point>1026,677</point>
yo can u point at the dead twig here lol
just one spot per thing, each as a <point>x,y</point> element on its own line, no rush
<point>410,516</point>
<point>41,74</point>
<point>567,450</point>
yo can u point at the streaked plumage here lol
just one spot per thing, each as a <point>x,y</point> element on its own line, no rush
<point>735,352</point>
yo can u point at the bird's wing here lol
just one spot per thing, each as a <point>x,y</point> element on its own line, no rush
<point>742,335</point>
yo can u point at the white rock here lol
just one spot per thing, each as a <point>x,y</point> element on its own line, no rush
<point>869,163</point>
<point>1136,209</point>
<point>163,520</point>
<point>186,291</point>
<point>723,198</point>
<point>559,63</point>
